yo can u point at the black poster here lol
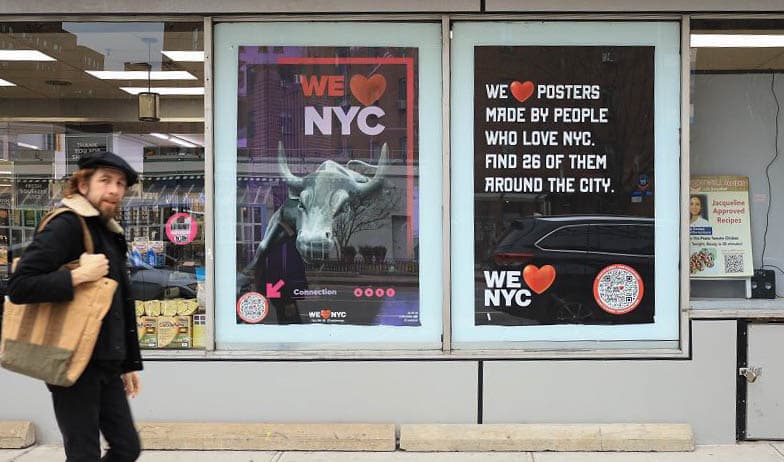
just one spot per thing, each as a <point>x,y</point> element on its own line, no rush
<point>563,184</point>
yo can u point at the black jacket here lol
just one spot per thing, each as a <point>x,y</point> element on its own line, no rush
<point>38,277</point>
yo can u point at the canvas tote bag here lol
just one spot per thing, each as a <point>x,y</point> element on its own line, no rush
<point>54,341</point>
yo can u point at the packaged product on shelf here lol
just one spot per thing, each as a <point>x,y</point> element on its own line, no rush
<point>187,306</point>
<point>152,307</point>
<point>138,251</point>
<point>201,293</point>
<point>199,331</point>
<point>169,307</point>
<point>139,308</point>
<point>157,259</point>
<point>149,257</point>
<point>148,331</point>
<point>174,332</point>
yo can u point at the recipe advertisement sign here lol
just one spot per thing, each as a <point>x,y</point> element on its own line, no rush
<point>563,185</point>
<point>719,227</point>
<point>327,186</point>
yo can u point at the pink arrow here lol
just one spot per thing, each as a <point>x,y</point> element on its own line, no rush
<point>274,291</point>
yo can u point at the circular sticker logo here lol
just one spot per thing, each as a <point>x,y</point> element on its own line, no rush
<point>618,289</point>
<point>181,228</point>
<point>252,307</point>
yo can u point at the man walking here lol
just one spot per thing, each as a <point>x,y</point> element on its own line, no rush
<point>97,402</point>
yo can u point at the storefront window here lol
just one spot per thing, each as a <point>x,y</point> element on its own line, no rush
<point>72,88</point>
<point>333,168</point>
<point>736,94</point>
<point>565,185</point>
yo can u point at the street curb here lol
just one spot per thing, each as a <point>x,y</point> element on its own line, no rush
<point>267,436</point>
<point>546,437</point>
<point>16,434</point>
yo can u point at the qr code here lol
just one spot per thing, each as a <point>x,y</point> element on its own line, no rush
<point>618,289</point>
<point>733,263</point>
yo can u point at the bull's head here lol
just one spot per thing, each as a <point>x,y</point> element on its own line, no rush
<point>322,195</point>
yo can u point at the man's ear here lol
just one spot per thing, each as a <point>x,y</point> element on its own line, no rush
<point>83,187</point>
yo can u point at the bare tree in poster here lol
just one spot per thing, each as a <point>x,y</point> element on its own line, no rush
<point>365,214</point>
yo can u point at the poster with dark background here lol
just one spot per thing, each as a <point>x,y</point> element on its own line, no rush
<point>563,189</point>
<point>327,182</point>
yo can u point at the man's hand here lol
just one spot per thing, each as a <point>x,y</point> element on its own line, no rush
<point>91,268</point>
<point>133,384</point>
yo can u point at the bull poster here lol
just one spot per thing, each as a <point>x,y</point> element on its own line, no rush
<point>719,227</point>
<point>326,186</point>
<point>563,185</point>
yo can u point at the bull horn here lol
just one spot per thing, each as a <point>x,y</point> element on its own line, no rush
<point>378,178</point>
<point>292,180</point>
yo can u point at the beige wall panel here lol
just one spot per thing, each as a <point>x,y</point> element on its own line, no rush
<point>626,6</point>
<point>234,6</point>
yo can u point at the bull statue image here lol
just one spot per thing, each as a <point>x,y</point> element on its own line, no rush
<point>312,205</point>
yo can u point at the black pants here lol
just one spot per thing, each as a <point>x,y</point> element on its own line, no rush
<point>96,403</point>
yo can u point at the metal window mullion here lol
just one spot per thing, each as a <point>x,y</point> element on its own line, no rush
<point>446,215</point>
<point>685,174</point>
<point>209,186</point>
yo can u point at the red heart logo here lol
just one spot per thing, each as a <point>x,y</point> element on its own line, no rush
<point>539,279</point>
<point>368,90</point>
<point>522,90</point>
<point>325,314</point>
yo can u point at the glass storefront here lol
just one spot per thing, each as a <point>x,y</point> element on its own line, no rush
<point>332,154</point>
<point>73,88</point>
<point>736,84</point>
<point>327,153</point>
<point>575,159</point>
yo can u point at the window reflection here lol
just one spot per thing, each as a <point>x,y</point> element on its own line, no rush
<point>69,89</point>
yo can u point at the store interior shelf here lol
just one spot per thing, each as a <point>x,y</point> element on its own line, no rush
<point>755,308</point>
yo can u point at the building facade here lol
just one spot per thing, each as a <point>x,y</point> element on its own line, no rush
<point>453,212</point>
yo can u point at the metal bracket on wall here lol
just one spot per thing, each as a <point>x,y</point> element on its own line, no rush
<point>751,373</point>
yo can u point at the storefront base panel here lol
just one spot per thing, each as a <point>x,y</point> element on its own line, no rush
<point>700,391</point>
<point>284,392</point>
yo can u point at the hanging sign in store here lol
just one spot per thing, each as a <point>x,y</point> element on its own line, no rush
<point>181,228</point>
<point>719,227</point>
<point>77,146</point>
<point>326,149</point>
<point>563,185</point>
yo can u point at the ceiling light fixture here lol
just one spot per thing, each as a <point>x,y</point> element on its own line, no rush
<point>6,83</point>
<point>183,143</point>
<point>24,55</point>
<point>149,102</point>
<point>28,146</point>
<point>142,75</point>
<point>192,91</point>
<point>185,56</point>
<point>174,139</point>
<point>736,41</point>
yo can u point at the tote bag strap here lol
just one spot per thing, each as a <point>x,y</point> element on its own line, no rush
<point>86,236</point>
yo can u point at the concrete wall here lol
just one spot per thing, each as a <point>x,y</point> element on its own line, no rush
<point>217,391</point>
<point>700,391</point>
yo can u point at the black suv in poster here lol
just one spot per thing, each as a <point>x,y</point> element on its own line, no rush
<point>569,270</point>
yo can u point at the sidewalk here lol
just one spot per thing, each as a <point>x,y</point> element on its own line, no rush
<point>743,452</point>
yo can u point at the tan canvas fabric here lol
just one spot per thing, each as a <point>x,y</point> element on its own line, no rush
<point>54,341</point>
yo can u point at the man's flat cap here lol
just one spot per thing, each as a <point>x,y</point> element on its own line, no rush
<point>109,159</point>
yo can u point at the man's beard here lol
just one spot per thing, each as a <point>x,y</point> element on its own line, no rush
<point>102,207</point>
<point>108,215</point>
